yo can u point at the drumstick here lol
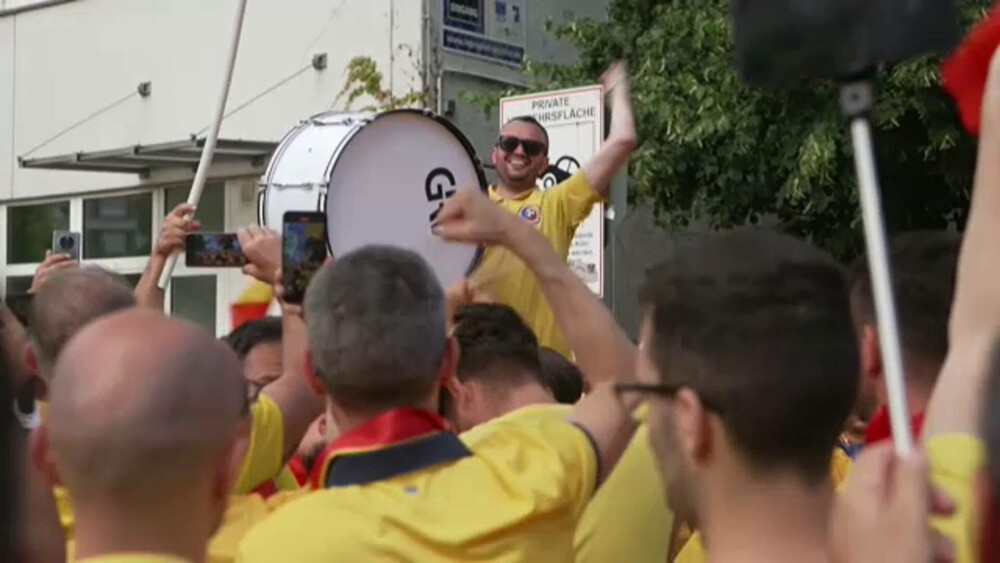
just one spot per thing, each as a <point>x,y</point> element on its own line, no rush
<point>213,134</point>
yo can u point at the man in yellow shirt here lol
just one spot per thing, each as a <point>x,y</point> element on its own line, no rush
<point>150,477</point>
<point>749,363</point>
<point>390,482</point>
<point>520,158</point>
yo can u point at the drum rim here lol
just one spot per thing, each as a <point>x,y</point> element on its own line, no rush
<point>457,133</point>
<point>283,146</point>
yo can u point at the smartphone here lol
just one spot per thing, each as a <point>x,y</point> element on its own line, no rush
<point>213,250</point>
<point>303,251</point>
<point>66,242</point>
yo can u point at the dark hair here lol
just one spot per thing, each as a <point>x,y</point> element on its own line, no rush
<point>376,320</point>
<point>250,334</point>
<point>493,338</point>
<point>561,376</point>
<point>68,301</point>
<point>532,121</point>
<point>924,264</point>
<point>759,325</point>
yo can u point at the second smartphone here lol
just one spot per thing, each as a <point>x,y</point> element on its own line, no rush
<point>303,251</point>
<point>213,250</point>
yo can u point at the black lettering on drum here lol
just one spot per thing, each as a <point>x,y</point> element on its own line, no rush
<point>440,185</point>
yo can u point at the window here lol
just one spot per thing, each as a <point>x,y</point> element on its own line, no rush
<point>211,209</point>
<point>115,227</point>
<point>193,298</point>
<point>29,230</point>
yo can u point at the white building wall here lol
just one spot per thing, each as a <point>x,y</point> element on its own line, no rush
<point>60,64</point>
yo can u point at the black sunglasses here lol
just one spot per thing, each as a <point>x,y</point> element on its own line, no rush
<point>531,148</point>
<point>664,390</point>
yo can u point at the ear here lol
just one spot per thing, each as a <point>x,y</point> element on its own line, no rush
<point>871,353</point>
<point>42,457</point>
<point>231,465</point>
<point>311,376</point>
<point>449,363</point>
<point>693,427</point>
<point>495,157</point>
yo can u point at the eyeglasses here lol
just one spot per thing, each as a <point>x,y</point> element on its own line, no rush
<point>531,148</point>
<point>666,391</point>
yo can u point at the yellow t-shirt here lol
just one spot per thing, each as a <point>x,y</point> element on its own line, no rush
<point>516,498</point>
<point>954,462</point>
<point>244,512</point>
<point>134,558</point>
<point>694,550</point>
<point>262,462</point>
<point>556,212</point>
<point>629,519</point>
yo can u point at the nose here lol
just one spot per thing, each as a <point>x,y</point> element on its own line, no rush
<point>519,151</point>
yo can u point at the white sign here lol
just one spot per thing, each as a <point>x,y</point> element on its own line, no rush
<point>574,119</point>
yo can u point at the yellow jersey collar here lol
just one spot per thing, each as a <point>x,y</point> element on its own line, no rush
<point>496,197</point>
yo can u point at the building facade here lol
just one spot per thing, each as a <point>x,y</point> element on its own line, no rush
<point>104,105</point>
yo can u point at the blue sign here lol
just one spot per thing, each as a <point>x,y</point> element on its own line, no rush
<point>465,14</point>
<point>481,46</point>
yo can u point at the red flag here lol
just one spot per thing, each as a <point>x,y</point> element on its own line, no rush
<point>965,72</point>
<point>252,304</point>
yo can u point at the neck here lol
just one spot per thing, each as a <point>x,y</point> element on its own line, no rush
<point>771,521</point>
<point>102,531</point>
<point>348,420</point>
<point>508,191</point>
<point>523,396</point>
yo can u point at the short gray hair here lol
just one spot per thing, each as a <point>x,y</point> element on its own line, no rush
<point>69,300</point>
<point>376,320</point>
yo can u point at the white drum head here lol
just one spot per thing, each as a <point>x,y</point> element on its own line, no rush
<point>390,180</point>
<point>296,178</point>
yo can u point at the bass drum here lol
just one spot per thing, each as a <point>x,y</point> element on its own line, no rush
<point>380,179</point>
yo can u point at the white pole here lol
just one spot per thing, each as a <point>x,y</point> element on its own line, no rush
<point>881,276</point>
<point>213,133</point>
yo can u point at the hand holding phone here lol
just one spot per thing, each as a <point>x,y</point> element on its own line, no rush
<point>303,251</point>
<point>213,250</point>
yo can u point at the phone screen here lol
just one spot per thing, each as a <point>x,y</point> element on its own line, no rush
<point>213,250</point>
<point>303,251</point>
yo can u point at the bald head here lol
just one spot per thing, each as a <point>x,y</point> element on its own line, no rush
<point>142,406</point>
<point>69,300</point>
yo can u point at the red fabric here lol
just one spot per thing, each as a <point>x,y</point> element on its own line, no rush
<point>299,470</point>
<point>964,74</point>
<point>391,427</point>
<point>266,489</point>
<point>242,313</point>
<point>880,429</point>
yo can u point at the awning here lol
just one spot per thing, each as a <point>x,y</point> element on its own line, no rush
<point>142,159</point>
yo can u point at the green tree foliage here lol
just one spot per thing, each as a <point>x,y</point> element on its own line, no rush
<point>714,149</point>
<point>364,79</point>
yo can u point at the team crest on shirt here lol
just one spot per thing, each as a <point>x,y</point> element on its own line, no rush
<point>531,214</point>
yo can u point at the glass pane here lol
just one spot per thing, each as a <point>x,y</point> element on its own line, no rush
<point>211,209</point>
<point>118,226</point>
<point>29,230</point>
<point>193,298</point>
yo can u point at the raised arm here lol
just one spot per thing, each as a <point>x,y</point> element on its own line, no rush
<point>622,139</point>
<point>603,350</point>
<point>956,405</point>
<point>176,225</point>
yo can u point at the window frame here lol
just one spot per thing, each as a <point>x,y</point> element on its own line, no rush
<point>136,264</point>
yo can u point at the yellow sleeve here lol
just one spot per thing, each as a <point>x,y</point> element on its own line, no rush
<point>575,198</point>
<point>264,455</point>
<point>628,519</point>
<point>954,460</point>
<point>840,468</point>
<point>538,448</point>
<point>693,551</point>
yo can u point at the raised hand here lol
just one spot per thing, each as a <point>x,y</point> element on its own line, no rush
<point>262,249</point>
<point>52,263</point>
<point>470,217</point>
<point>176,225</point>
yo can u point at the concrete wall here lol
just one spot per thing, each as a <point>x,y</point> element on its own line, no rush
<point>60,64</point>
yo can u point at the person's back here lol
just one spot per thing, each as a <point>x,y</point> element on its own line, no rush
<point>750,366</point>
<point>398,486</point>
<point>147,439</point>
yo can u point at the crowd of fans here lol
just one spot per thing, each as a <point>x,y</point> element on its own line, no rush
<point>390,419</point>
